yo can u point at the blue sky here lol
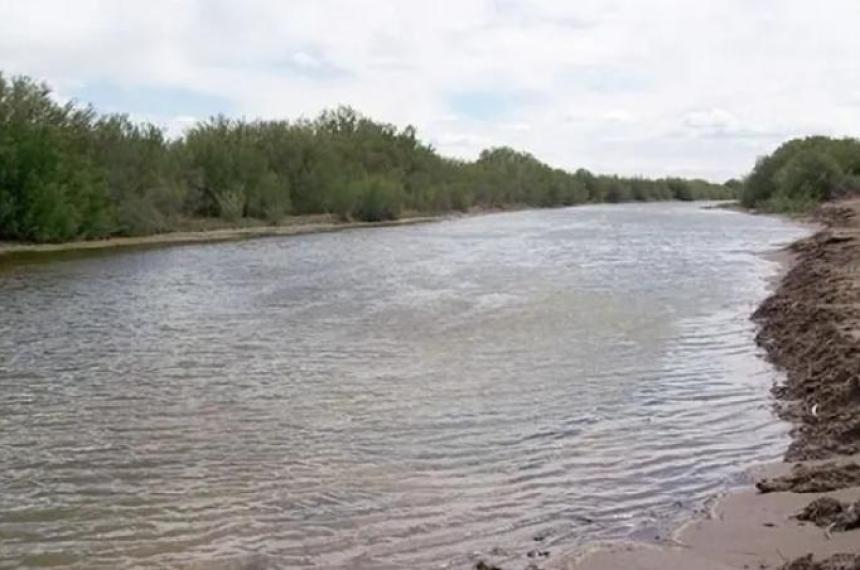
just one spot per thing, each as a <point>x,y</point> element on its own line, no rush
<point>654,87</point>
<point>489,105</point>
<point>154,100</point>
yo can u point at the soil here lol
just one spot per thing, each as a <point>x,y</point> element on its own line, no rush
<point>814,478</point>
<point>832,514</point>
<point>811,329</point>
<point>837,562</point>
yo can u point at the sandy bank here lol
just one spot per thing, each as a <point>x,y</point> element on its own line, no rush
<point>810,328</point>
<point>744,530</point>
<point>294,226</point>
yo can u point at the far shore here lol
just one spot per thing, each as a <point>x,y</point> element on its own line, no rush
<point>293,226</point>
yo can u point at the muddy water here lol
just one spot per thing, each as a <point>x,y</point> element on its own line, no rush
<point>387,398</point>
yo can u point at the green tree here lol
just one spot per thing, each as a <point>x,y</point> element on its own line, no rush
<point>67,172</point>
<point>809,174</point>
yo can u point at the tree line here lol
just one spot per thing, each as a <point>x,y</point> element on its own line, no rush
<point>68,172</point>
<point>803,172</point>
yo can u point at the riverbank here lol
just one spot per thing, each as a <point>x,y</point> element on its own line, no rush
<point>294,225</point>
<point>298,225</point>
<point>810,328</point>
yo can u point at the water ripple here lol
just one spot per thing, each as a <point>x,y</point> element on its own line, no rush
<point>405,397</point>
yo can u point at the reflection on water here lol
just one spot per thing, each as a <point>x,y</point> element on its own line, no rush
<point>400,397</point>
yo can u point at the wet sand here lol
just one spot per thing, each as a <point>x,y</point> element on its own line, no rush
<point>810,328</point>
<point>746,529</point>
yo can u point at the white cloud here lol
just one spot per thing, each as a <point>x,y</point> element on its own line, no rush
<point>303,59</point>
<point>710,120</point>
<point>633,86</point>
<point>620,116</point>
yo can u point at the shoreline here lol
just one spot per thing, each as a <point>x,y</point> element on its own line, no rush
<point>294,226</point>
<point>303,225</point>
<point>810,329</point>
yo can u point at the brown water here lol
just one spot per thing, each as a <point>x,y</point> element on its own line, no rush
<point>389,398</point>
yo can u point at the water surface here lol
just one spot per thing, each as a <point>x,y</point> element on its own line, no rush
<point>402,397</point>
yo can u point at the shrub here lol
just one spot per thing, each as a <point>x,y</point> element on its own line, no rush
<point>231,204</point>
<point>379,200</point>
<point>270,200</point>
<point>809,175</point>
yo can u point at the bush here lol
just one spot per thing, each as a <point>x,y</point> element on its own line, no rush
<point>270,200</point>
<point>781,203</point>
<point>379,200</point>
<point>809,175</point>
<point>231,204</point>
<point>153,211</point>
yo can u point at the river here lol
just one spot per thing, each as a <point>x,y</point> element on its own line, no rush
<point>408,397</point>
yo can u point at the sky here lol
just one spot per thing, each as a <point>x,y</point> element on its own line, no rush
<point>633,87</point>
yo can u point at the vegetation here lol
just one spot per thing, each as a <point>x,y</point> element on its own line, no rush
<point>802,173</point>
<point>67,172</point>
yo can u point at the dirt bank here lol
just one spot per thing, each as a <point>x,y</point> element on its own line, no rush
<point>293,226</point>
<point>811,328</point>
<point>802,514</point>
